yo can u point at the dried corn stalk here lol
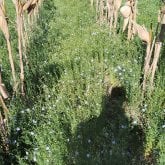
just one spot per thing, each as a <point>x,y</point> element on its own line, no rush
<point>113,7</point>
<point>101,11</point>
<point>4,134</point>
<point>151,64</point>
<point>5,110</point>
<point>3,95</point>
<point>19,15</point>
<point>5,30</point>
<point>97,10</point>
<point>129,12</point>
<point>126,12</point>
<point>108,11</point>
<point>3,117</point>
<point>117,4</point>
<point>92,2</point>
<point>33,10</point>
<point>142,32</point>
<point>158,46</point>
<point>31,6</point>
<point>155,45</point>
<point>144,35</point>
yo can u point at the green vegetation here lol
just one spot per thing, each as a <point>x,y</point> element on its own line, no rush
<point>68,115</point>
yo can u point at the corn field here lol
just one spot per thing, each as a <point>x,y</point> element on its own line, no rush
<point>26,13</point>
<point>82,82</point>
<point>108,11</point>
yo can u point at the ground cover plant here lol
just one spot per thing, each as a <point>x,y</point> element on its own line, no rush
<point>83,102</point>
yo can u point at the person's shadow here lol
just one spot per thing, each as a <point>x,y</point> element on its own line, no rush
<point>110,139</point>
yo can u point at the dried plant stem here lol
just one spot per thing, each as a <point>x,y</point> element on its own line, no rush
<point>117,4</point>
<point>146,66</point>
<point>92,3</point>
<point>115,18</point>
<point>132,18</point>
<point>101,11</point>
<point>36,11</point>
<point>111,21</point>
<point>11,62</point>
<point>33,10</point>
<point>22,34</point>
<point>3,90</point>
<point>130,28</point>
<point>20,45</point>
<point>97,9</point>
<point>158,46</point>
<point>32,6</point>
<point>110,13</point>
<point>20,39</point>
<point>4,132</point>
<point>150,70</point>
<point>5,110</point>
<point>5,30</point>
<point>3,117</point>
<point>24,37</point>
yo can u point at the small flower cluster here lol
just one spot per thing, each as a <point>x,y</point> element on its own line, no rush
<point>120,71</point>
<point>144,108</point>
<point>94,33</point>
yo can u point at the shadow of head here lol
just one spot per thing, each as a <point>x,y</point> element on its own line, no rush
<point>118,92</point>
<point>112,105</point>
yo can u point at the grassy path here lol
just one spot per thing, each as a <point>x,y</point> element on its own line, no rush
<point>79,127</point>
<point>69,117</point>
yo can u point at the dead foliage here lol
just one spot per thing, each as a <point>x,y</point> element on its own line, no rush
<point>4,28</point>
<point>3,117</point>
<point>107,11</point>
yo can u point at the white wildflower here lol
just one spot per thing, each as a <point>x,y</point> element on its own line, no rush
<point>79,136</point>
<point>76,153</point>
<point>32,133</point>
<point>68,140</point>
<point>94,33</point>
<point>88,155</point>
<point>120,73</point>
<point>34,121</point>
<point>22,111</point>
<point>28,110</point>
<point>89,140</point>
<point>34,159</point>
<point>135,122</point>
<point>143,109</point>
<point>47,148</point>
<point>119,68</point>
<point>18,129</point>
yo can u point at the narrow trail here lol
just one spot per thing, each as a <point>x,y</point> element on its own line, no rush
<point>95,127</point>
<point>77,122</point>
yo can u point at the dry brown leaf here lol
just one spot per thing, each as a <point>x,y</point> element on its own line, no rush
<point>117,4</point>
<point>126,20</point>
<point>125,11</point>
<point>142,32</point>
